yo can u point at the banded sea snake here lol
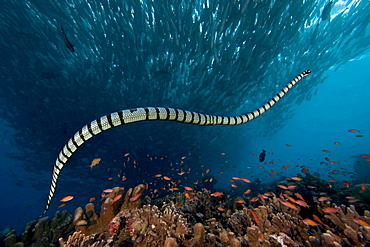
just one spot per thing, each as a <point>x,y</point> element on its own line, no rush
<point>149,114</point>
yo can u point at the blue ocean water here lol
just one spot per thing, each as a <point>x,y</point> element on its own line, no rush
<point>216,57</point>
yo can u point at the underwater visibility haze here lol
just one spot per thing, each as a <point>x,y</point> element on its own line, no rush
<point>67,63</point>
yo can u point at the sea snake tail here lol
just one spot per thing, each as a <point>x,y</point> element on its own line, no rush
<point>149,114</point>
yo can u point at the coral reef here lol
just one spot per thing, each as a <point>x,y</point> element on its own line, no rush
<point>41,232</point>
<point>146,226</point>
<point>181,221</point>
<point>198,220</point>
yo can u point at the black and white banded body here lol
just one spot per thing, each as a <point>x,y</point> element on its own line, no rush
<point>150,114</point>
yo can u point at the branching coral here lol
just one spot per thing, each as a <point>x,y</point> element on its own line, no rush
<point>82,240</point>
<point>238,223</point>
<point>152,226</point>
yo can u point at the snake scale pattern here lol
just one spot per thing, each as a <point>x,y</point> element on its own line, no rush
<point>149,114</point>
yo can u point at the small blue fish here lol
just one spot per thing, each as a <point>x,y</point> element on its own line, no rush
<point>326,12</point>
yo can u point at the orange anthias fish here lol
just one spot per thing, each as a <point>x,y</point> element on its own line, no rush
<point>317,219</point>
<point>310,222</point>
<point>363,187</point>
<point>66,199</point>
<point>254,199</point>
<point>353,200</point>
<point>255,217</point>
<point>289,204</point>
<point>92,199</point>
<point>246,180</point>
<point>94,162</point>
<point>247,191</point>
<point>353,131</point>
<point>291,199</point>
<point>296,178</point>
<point>166,178</point>
<point>240,201</point>
<point>302,203</point>
<point>361,222</point>
<point>330,210</point>
<point>299,196</point>
<point>282,186</point>
<point>135,197</point>
<point>187,195</point>
<point>323,198</point>
<point>107,190</point>
<point>217,194</point>
<point>261,238</point>
<point>262,198</point>
<point>188,188</point>
<point>288,193</point>
<point>221,209</point>
<point>269,194</point>
<point>117,197</point>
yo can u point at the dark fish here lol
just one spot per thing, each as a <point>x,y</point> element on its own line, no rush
<point>161,75</point>
<point>326,12</point>
<point>66,41</point>
<point>262,155</point>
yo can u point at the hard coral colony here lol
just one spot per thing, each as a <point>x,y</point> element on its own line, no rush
<point>276,219</point>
